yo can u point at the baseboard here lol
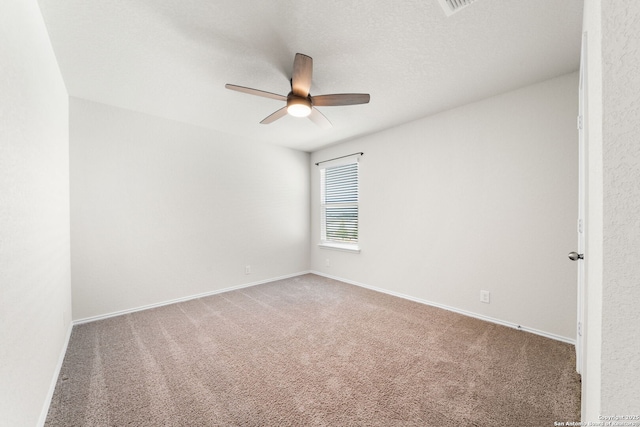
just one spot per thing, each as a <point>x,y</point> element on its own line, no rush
<point>183,299</point>
<point>54,379</point>
<point>453,309</point>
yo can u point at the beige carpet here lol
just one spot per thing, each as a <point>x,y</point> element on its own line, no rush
<point>310,351</point>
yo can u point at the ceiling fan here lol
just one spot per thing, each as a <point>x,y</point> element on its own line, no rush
<point>299,101</point>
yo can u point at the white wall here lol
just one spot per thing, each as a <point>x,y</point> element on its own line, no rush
<point>479,197</point>
<point>163,210</point>
<point>611,381</point>
<point>35,295</point>
<point>621,207</point>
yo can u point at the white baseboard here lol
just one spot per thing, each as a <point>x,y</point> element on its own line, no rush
<point>183,299</point>
<point>453,309</point>
<point>54,379</point>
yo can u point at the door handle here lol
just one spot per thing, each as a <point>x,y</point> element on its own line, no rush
<point>574,256</point>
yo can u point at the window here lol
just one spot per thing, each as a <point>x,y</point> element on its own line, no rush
<point>339,206</point>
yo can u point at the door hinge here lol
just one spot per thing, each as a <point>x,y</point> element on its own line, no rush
<point>580,225</point>
<point>579,124</point>
<point>579,329</point>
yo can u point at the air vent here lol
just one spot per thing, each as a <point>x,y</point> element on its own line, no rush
<point>452,6</point>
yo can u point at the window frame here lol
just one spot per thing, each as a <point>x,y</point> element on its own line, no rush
<point>349,246</point>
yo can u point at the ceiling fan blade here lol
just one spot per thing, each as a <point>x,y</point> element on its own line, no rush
<point>318,118</point>
<point>256,92</point>
<point>340,99</point>
<point>301,78</point>
<point>275,116</point>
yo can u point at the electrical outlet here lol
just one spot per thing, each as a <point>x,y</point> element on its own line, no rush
<point>485,296</point>
<point>247,269</point>
<point>327,262</point>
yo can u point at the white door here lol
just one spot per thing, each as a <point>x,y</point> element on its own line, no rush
<point>579,255</point>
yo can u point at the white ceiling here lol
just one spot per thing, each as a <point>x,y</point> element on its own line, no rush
<point>172,58</point>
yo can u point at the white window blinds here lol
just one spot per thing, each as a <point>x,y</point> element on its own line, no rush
<point>339,192</point>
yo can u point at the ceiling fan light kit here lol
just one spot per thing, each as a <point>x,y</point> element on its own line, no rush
<point>298,107</point>
<point>299,102</point>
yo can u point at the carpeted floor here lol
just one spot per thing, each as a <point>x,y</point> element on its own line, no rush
<point>310,351</point>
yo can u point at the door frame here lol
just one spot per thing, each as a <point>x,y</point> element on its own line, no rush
<point>581,223</point>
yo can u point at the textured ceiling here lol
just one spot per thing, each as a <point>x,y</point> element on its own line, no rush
<point>172,58</point>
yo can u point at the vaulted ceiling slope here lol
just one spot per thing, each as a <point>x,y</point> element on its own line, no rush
<point>172,58</point>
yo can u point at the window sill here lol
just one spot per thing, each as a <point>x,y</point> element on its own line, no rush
<point>346,247</point>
